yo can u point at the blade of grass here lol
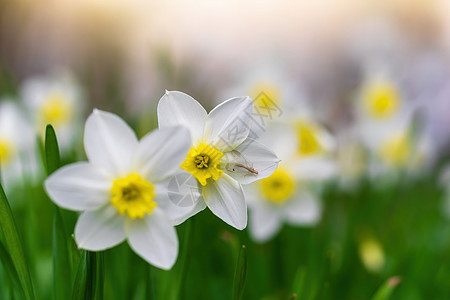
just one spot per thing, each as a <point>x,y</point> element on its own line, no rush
<point>90,276</point>
<point>79,286</point>
<point>180,268</point>
<point>61,258</point>
<point>386,289</point>
<point>240,274</point>
<point>52,157</point>
<point>14,246</point>
<point>61,261</point>
<point>99,275</point>
<point>9,267</point>
<point>299,281</point>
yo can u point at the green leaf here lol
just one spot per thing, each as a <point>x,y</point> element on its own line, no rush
<point>240,274</point>
<point>90,276</point>
<point>180,268</point>
<point>299,282</point>
<point>52,157</point>
<point>99,275</point>
<point>386,289</point>
<point>9,267</point>
<point>14,245</point>
<point>61,258</point>
<point>79,287</point>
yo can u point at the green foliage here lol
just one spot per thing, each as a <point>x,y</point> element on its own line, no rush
<point>14,246</point>
<point>321,262</point>
<point>240,274</point>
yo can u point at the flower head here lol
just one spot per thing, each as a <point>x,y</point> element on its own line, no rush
<point>222,156</point>
<point>121,189</point>
<point>55,101</point>
<point>17,151</point>
<point>286,196</point>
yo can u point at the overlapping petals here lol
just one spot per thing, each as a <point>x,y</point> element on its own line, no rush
<point>114,152</point>
<point>226,128</point>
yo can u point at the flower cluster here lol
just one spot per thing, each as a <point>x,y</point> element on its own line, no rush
<point>384,141</point>
<point>123,189</point>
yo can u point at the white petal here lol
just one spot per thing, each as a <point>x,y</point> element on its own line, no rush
<point>161,152</point>
<point>225,198</point>
<point>154,239</point>
<point>201,205</point>
<point>250,161</point>
<point>303,210</point>
<point>100,229</point>
<point>227,125</point>
<point>177,108</point>
<point>109,142</point>
<point>280,138</point>
<point>79,186</point>
<point>14,125</point>
<point>315,168</point>
<point>264,223</point>
<point>327,140</point>
<point>180,197</point>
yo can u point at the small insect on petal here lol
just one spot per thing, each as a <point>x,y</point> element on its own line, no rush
<point>236,162</point>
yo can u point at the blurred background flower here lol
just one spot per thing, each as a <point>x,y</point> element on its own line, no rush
<point>360,90</point>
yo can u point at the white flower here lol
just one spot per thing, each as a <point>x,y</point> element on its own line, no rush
<point>387,126</point>
<point>17,151</point>
<point>274,92</point>
<point>380,99</point>
<point>222,155</point>
<point>287,195</point>
<point>121,189</point>
<point>55,101</point>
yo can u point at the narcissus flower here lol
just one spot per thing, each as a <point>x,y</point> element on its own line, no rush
<point>222,156</point>
<point>389,128</point>
<point>17,152</point>
<point>55,101</point>
<point>287,195</point>
<point>121,190</point>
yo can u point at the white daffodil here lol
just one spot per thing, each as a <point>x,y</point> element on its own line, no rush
<point>121,190</point>
<point>222,156</point>
<point>55,101</point>
<point>397,145</point>
<point>385,126</point>
<point>17,151</point>
<point>275,95</point>
<point>287,195</point>
<point>380,99</point>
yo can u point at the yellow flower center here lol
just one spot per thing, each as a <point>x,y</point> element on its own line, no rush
<point>266,94</point>
<point>278,187</point>
<point>7,151</point>
<point>396,150</point>
<point>382,100</point>
<point>202,162</point>
<point>56,110</point>
<point>133,195</point>
<point>308,139</point>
